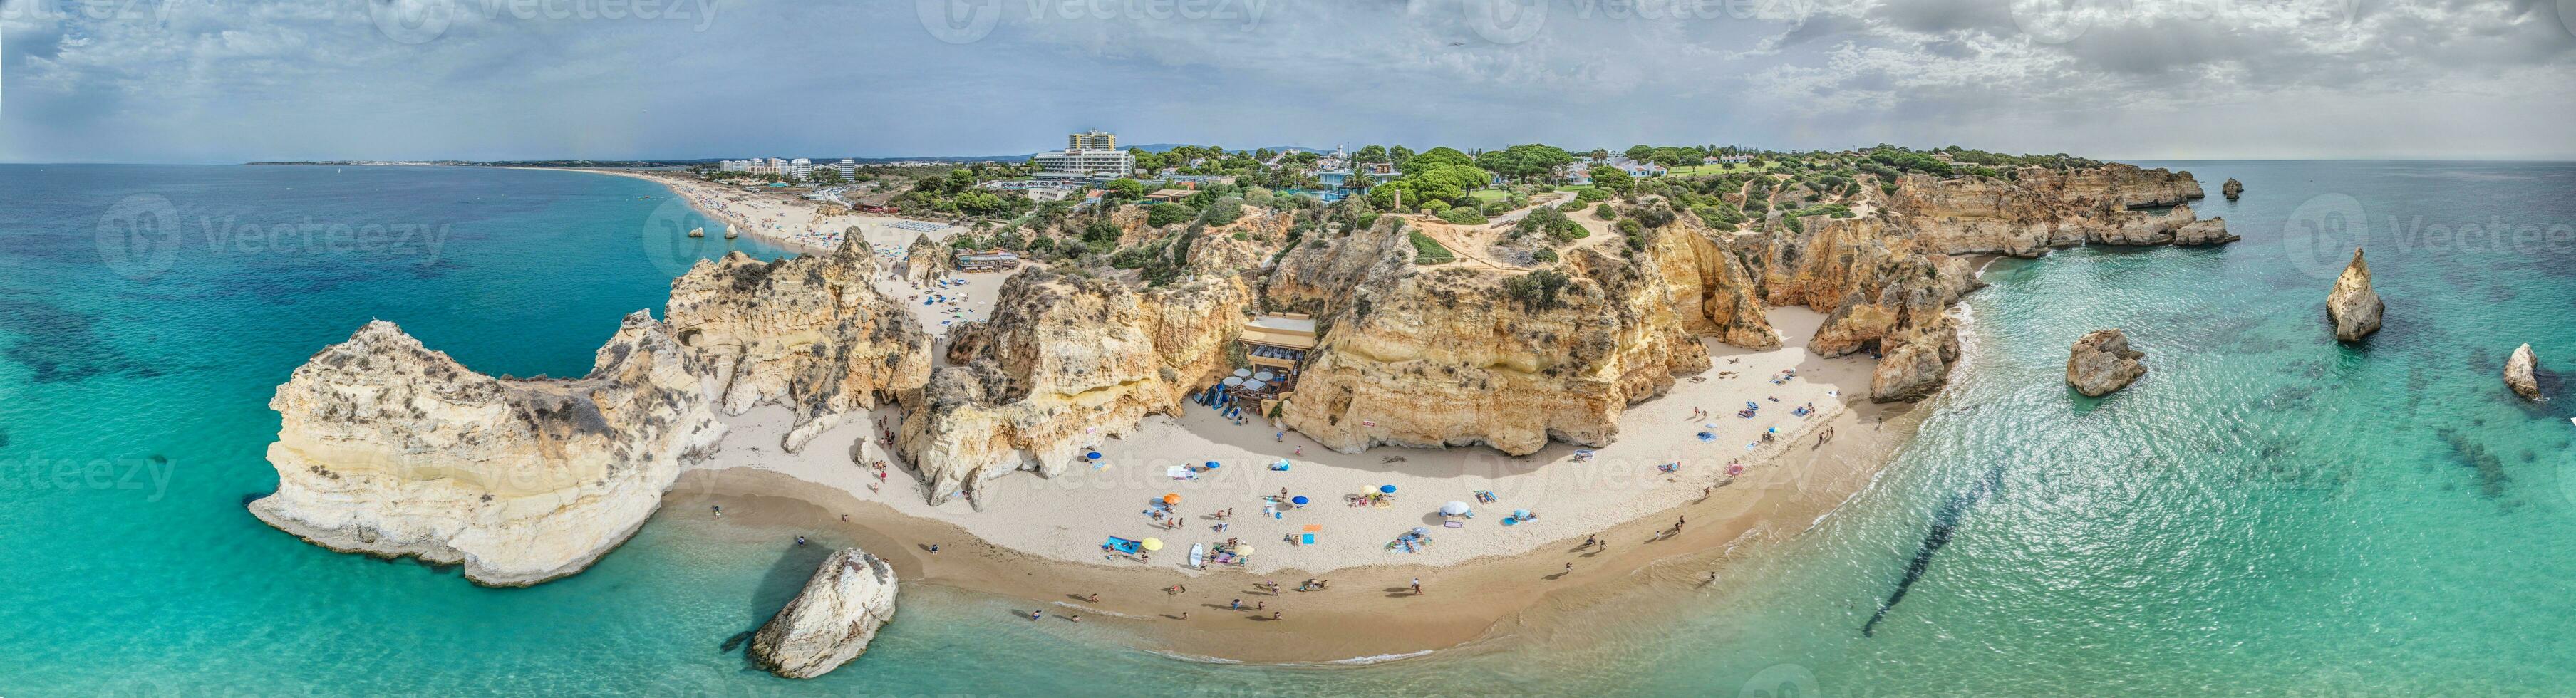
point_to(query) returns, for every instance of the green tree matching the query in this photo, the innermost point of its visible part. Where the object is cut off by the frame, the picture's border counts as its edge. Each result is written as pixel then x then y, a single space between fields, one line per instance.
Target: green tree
pixel 1640 153
pixel 1612 178
pixel 1122 189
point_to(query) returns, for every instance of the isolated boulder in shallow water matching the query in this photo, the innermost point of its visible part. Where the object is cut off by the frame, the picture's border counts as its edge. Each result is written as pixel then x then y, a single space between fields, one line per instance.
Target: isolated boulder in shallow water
pixel 2519 373
pixel 2231 188
pixel 2354 308
pixel 831 621
pixel 2102 362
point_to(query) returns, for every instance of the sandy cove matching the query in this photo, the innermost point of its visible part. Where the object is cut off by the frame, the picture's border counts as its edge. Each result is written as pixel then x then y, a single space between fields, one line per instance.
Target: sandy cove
pixel 774 217
pixel 1039 541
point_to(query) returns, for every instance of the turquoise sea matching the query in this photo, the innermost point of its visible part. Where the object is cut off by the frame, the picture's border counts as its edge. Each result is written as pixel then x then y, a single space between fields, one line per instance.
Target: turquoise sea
pixel 2265 512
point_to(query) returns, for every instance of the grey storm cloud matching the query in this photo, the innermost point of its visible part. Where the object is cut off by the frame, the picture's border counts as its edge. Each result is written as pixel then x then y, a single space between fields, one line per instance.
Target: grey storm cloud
pixel 227 80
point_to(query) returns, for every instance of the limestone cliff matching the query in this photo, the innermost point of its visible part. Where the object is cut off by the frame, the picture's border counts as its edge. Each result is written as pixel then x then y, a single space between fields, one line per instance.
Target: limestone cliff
pixel 1065 362
pixel 810 333
pixel 2352 306
pixel 831 621
pixel 2521 373
pixel 2042 209
pixel 389 448
pixel 926 259
pixel 1879 295
pixel 2101 362
pixel 1467 354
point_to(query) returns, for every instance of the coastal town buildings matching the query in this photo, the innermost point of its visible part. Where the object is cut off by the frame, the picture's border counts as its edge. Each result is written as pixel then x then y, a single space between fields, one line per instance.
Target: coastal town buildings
pixel 1084 163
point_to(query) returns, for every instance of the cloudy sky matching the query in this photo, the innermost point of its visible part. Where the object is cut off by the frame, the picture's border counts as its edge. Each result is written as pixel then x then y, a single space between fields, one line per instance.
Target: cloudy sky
pixel 228 81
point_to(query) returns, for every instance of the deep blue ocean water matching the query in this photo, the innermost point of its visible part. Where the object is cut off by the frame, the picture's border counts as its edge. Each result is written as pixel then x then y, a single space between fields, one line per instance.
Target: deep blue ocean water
pixel 2267 511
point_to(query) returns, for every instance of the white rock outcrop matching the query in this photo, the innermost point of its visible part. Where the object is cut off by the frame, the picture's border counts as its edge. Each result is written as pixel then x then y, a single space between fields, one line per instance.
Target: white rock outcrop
pixel 2520 373
pixel 2101 362
pixel 2352 306
pixel 389 448
pixel 831 621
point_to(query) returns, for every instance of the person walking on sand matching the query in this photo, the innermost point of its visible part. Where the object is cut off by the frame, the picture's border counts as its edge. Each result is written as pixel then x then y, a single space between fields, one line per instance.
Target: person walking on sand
pixel 1569 568
pixel 1236 606
pixel 1589 541
pixel 1274 615
pixel 1034 615
pixel 1094 597
pixel 1185 615
pixel 1301 450
pixel 1417 586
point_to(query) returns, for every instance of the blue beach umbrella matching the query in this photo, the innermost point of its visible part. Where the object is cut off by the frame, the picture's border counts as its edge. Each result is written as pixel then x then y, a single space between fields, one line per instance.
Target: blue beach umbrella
pixel 1299 500
pixel 1389 489
pixel 1212 465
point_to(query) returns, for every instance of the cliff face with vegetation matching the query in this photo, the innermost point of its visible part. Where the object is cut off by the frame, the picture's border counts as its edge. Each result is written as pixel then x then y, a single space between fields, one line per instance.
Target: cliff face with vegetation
pixel 1464 354
pixel 808 333
pixel 392 449
pixel 1066 362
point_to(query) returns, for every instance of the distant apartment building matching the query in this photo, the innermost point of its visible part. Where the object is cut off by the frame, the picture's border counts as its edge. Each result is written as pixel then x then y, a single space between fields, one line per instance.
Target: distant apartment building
pixel 849 168
pixel 1091 140
pixel 800 168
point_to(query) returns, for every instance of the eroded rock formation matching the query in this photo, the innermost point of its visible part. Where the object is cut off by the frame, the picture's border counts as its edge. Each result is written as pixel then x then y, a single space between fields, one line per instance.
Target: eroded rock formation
pixel 1463 354
pixel 1065 362
pixel 926 259
pixel 2101 362
pixel 392 449
pixel 2231 189
pixel 2352 306
pixel 808 333
pixel 831 621
pixel 2521 373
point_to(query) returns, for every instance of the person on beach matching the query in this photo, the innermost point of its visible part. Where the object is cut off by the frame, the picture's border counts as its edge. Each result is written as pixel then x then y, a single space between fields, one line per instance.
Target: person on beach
pixel 1094 597
pixel 1280 437
pixel 1417 586
pixel 934 548
pixel 800 540
pixel 1274 615
pixel 1185 615
pixel 1589 541
pixel 1076 617
pixel 719 509
pixel 1259 605
pixel 1236 606
pixel 1301 450
pixel 1569 568
pixel 1034 615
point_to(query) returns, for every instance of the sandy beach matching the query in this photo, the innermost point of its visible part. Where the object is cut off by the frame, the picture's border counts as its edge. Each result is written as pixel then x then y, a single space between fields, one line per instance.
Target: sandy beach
pixel 1040 538
pixel 1687 482
pixel 796 224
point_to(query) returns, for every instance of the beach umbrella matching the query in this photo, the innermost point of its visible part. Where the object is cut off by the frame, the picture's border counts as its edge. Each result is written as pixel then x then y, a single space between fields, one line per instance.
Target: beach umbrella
pixel 1171 499
pixel 1153 544
pixel 1243 550
pixel 1419 531
pixel 1299 500
pixel 1708 426
pixel 1705 436
pixel 1388 489
pixel 1520 513
pixel 1212 465
pixel 1454 508
pixel 1094 455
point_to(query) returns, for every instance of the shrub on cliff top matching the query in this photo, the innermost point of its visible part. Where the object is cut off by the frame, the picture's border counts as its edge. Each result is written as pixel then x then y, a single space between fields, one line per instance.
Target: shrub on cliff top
pixel 1428 251
pixel 1536 290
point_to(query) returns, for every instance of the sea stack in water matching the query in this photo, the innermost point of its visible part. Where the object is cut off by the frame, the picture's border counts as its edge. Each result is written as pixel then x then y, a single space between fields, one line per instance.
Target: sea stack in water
pixel 2353 307
pixel 391 449
pixel 831 621
pixel 2519 373
pixel 2102 362
pixel 2231 188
